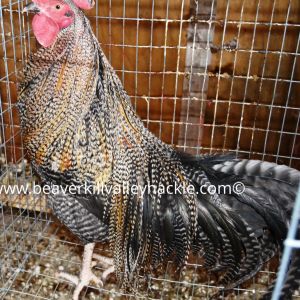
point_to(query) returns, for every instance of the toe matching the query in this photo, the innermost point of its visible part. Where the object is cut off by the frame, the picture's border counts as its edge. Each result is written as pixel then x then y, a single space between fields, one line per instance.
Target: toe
pixel 103 259
pixel 78 290
pixel 68 277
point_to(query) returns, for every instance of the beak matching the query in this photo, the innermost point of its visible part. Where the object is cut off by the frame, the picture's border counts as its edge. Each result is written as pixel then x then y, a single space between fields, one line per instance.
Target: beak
pixel 31 7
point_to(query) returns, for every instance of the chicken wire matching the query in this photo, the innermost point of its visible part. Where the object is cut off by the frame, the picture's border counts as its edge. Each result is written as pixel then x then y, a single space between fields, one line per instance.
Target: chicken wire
pixel 203 75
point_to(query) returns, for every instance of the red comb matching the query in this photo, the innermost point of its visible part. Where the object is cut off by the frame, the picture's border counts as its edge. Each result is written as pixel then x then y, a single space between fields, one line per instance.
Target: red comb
pixel 84 4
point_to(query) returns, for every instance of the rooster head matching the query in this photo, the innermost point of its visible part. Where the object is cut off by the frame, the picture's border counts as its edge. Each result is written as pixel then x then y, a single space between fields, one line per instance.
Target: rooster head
pixel 52 16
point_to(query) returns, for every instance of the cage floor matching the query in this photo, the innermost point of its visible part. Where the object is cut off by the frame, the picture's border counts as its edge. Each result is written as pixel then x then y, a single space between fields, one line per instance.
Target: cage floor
pixel 34 247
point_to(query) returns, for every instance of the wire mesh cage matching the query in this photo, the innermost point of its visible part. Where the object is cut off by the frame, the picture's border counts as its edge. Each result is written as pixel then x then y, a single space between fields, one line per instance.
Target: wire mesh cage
pixel 203 75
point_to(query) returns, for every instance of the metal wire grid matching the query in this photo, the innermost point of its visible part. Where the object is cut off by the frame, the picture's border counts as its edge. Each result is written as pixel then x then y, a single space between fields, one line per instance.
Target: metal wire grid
pixel 290 78
pixel 26 267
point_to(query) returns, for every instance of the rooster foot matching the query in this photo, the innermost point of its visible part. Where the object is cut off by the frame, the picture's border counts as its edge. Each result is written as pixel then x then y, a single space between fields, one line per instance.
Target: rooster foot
pixel 86 274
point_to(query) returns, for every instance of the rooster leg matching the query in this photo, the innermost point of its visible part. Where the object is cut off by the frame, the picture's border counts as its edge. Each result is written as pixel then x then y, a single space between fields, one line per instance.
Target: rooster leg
pixel 86 274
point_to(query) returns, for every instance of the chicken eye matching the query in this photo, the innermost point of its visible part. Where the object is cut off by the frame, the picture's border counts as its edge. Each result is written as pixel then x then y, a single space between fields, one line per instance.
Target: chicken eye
pixel 57 6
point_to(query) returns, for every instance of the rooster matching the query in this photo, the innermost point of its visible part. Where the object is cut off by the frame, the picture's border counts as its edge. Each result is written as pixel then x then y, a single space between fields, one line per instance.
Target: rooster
pixel 80 130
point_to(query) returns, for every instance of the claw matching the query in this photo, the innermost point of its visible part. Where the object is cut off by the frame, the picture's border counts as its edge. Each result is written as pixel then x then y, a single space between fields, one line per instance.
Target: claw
pixel 107 272
pixel 97 281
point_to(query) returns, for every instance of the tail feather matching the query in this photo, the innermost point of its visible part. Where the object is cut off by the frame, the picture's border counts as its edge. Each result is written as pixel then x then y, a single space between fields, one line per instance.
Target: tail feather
pixel 252 260
pixel 267 209
pixel 259 169
pixel 253 225
pixel 208 225
pixel 231 246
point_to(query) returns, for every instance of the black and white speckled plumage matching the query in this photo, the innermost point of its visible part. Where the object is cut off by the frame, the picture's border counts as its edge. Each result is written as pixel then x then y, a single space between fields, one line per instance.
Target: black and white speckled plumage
pixel 85 225
pixel 79 128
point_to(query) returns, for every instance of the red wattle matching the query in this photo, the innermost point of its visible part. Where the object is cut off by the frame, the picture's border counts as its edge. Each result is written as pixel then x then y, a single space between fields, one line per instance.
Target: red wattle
pixel 44 29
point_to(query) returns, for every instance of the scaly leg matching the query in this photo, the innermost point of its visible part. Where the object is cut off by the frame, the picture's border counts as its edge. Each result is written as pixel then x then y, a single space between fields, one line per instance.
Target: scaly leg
pixel 86 274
